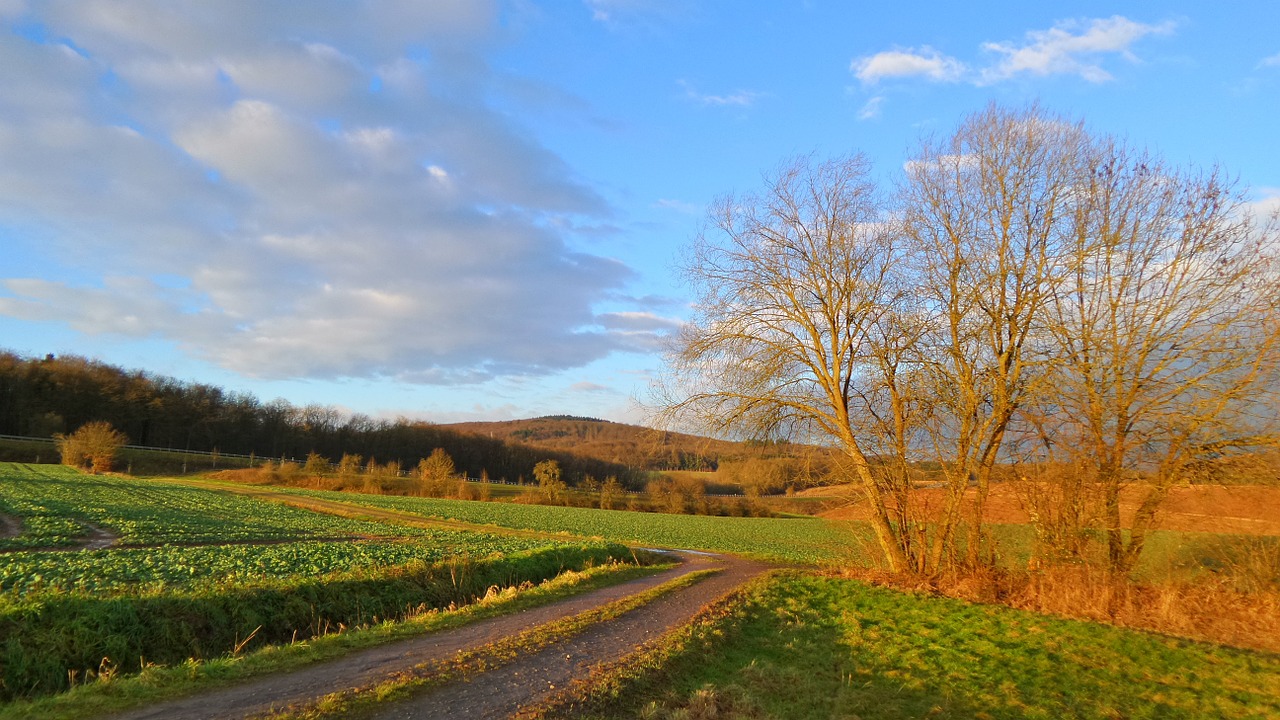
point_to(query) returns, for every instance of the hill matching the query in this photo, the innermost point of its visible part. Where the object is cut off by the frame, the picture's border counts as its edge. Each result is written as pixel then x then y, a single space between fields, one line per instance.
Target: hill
pixel 631 445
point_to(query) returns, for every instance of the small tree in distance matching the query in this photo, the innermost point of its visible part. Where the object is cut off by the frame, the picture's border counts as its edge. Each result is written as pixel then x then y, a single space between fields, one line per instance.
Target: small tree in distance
pixel 436 473
pixel 94 446
pixel 549 480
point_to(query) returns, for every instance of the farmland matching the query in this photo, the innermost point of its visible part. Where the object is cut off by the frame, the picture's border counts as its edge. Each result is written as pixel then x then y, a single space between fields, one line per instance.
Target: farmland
pixel 209 570
pixel 55 504
pixel 806 540
pixel 198 573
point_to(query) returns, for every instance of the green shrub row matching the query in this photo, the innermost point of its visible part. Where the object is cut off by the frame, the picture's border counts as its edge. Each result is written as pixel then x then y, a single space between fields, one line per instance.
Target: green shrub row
pixel 46 645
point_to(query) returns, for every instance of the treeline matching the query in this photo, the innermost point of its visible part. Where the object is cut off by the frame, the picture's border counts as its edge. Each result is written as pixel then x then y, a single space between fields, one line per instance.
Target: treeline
pixel 40 397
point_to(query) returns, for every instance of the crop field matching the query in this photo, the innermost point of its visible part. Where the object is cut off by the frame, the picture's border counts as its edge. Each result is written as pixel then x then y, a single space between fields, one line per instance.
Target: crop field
pixel 801 646
pixel 55 503
pixel 210 569
pixel 26 575
pixel 788 539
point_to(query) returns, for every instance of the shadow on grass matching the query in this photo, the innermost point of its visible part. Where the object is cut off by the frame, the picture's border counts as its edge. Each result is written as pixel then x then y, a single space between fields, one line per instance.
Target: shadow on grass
pixel 803 647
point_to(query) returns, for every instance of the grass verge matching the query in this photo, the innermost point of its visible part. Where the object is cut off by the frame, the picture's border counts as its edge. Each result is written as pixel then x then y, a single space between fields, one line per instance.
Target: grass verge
pixel 802 646
pixel 361 702
pixel 158 683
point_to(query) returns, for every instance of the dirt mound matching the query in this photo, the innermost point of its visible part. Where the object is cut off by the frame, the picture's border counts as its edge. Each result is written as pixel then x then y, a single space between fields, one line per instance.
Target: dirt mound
pixel 1235 509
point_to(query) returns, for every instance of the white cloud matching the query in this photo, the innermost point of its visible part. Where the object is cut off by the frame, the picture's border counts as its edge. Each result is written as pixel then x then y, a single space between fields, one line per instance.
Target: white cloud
pixel 324 228
pixel 1268 203
pixel 617 13
pixel 1070 48
pixel 739 98
pixel 871 108
pixel 1270 61
pixel 680 206
pixel 924 62
pixel 637 321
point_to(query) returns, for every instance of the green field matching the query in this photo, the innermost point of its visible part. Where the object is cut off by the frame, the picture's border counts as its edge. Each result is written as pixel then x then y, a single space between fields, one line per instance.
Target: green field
pixel 801 539
pixel 217 568
pixel 210 568
pixel 26 575
pixel 55 503
pixel 805 540
pixel 800 646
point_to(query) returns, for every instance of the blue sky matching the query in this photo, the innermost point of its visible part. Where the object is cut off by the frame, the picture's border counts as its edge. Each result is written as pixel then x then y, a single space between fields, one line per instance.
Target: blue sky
pixel 467 210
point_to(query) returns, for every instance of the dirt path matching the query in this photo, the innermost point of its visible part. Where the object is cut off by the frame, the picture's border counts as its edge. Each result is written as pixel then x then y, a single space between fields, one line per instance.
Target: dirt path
pixel 531 679
pixel 532 674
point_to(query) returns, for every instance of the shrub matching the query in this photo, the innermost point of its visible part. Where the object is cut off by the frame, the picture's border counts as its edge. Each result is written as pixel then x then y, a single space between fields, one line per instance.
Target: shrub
pixel 93 446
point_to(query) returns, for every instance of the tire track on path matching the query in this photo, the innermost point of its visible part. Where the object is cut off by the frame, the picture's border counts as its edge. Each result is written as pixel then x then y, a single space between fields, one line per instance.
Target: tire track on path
pixel 532 679
pixel 366 667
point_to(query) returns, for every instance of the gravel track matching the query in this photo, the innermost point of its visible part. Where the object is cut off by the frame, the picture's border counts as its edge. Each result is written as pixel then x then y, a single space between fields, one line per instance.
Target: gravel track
pixel 529 680
pixel 498 692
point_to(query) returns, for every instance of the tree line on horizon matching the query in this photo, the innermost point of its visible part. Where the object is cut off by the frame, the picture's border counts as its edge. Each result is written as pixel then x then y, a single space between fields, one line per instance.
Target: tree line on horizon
pixel 52 395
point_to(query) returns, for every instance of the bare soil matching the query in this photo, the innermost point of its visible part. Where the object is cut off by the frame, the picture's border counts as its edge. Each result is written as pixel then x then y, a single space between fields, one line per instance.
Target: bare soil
pixel 10 526
pixel 95 538
pixel 497 693
pixel 1234 509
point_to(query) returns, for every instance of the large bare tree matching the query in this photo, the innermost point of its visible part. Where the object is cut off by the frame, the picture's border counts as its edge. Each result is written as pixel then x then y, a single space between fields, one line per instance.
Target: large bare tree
pixel 985 213
pixel 1030 280
pixel 1165 334
pixel 796 293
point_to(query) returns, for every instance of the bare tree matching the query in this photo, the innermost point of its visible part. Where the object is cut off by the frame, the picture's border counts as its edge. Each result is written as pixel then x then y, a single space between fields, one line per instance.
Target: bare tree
pixel 1165 333
pixel 985 211
pixel 1033 282
pixel 795 286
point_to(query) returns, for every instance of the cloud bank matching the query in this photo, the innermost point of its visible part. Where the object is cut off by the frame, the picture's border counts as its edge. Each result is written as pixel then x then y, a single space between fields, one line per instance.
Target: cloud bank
pixel 312 190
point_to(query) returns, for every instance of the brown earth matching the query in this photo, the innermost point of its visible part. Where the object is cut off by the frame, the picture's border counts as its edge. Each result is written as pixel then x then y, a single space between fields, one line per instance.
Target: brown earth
pixel 496 693
pixel 10 526
pixel 1234 509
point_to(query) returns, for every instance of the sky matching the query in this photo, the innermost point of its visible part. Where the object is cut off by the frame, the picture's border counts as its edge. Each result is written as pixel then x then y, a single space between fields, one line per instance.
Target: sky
pixel 468 210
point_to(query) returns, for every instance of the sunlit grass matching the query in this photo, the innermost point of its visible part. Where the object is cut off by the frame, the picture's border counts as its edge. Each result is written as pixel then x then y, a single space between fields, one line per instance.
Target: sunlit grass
pixel 800 646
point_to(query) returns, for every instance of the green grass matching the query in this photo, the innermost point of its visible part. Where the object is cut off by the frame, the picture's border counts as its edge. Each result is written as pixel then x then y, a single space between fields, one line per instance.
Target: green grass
pixel 54 636
pixel 158 683
pixel 806 540
pixel 797 540
pixel 55 502
pixel 799 646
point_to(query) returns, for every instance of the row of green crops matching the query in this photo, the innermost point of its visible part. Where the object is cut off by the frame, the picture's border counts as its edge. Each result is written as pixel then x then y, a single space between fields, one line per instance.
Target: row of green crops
pixel 810 540
pixel 26 575
pixel 46 643
pixel 54 504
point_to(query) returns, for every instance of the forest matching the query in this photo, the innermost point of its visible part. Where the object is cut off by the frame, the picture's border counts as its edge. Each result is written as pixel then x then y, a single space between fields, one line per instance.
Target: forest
pixel 41 396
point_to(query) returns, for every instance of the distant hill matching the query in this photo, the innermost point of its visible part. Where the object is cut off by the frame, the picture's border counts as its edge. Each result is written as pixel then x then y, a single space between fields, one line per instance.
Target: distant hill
pixel 637 447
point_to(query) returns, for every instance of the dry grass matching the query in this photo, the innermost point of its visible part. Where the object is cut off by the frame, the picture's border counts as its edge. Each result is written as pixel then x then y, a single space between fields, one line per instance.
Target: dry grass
pixel 1240 609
